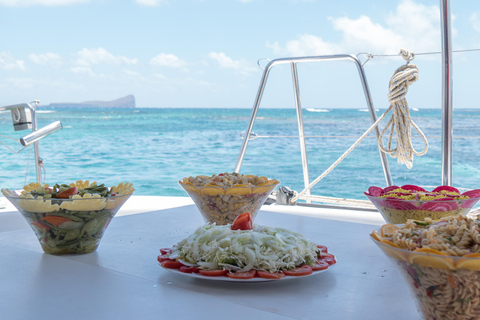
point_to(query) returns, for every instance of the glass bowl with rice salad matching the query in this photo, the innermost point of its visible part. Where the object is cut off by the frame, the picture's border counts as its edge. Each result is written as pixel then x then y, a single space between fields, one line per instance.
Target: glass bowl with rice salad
pixel 398 204
pixel 69 218
pixel 439 261
pixel 223 197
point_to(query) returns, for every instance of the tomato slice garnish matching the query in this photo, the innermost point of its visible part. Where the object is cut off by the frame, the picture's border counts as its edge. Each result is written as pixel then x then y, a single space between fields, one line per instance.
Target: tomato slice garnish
pixel 303 270
pixel 320 264
pixel 322 248
pixel 172 264
pixel 187 269
pixel 242 275
pixel 243 222
pixel 270 275
pixel 65 194
pixel 212 273
pixel 164 257
pixel 328 258
pixel 165 250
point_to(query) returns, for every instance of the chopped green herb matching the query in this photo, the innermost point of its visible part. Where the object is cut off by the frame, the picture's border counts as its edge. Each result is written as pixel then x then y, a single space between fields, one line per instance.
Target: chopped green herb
pixel 421 223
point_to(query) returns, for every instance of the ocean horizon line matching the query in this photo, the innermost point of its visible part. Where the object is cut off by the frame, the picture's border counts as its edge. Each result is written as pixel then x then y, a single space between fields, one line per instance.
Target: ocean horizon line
pixel 310 109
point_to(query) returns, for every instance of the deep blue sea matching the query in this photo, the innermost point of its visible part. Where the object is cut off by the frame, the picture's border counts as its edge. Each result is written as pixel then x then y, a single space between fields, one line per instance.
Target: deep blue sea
pixel 154 148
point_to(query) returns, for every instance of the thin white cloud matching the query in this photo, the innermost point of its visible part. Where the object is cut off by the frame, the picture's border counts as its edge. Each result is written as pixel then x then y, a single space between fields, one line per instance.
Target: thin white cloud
pixel 46 59
pixel 132 73
pixel 364 35
pixel 49 3
pixel 82 71
pixel 160 76
pixel 305 45
pixel 8 62
pixel 151 3
pixel 89 57
pixel 22 83
pixel 412 26
pixel 167 60
pixel 225 62
pixel 475 21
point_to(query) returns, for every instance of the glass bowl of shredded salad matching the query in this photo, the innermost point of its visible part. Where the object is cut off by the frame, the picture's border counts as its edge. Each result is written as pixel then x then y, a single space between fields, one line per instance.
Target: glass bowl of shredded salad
pixel 69 218
pixel 440 262
pixel 398 204
pixel 223 197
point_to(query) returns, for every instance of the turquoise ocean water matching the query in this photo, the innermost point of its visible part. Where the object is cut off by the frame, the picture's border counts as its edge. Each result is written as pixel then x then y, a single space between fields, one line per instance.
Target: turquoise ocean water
pixel 154 148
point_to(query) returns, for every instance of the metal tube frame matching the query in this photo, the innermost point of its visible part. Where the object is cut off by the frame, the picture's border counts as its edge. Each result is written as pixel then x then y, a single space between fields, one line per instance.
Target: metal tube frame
pixel 301 131
pixel 447 93
pixel 38 160
pixel 294 62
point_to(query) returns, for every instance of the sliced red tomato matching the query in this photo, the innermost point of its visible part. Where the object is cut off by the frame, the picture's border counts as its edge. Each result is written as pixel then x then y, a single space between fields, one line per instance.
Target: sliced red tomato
pixel 164 257
pixel 41 225
pixel 165 250
pixel 212 273
pixel 299 271
pixel 270 275
pixel 242 275
pixel 328 258
pixel 187 269
pixel 322 248
pixel 320 264
pixel 65 194
pixel 55 220
pixel 243 222
pixel 172 264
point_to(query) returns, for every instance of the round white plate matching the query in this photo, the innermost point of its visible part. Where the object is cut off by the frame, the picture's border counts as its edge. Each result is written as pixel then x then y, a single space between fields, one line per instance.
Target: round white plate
pixel 225 278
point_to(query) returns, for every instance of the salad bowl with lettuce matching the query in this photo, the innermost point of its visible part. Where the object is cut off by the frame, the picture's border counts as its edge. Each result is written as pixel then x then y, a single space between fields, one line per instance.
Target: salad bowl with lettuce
pixel 69 218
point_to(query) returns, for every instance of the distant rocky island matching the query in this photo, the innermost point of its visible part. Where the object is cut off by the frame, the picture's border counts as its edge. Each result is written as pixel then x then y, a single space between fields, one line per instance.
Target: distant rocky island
pixel 125 102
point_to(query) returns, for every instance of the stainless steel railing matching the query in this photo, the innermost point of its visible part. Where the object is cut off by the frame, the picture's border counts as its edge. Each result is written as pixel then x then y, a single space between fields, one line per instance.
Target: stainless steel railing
pixel 293 62
pixel 28 120
pixel 447 93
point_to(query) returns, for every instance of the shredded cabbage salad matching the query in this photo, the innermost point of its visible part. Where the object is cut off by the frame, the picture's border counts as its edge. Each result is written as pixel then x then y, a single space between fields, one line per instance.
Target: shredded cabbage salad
pixel 263 248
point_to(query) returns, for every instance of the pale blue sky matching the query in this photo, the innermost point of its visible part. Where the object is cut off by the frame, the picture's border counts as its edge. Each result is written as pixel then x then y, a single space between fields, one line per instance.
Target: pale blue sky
pixel 203 53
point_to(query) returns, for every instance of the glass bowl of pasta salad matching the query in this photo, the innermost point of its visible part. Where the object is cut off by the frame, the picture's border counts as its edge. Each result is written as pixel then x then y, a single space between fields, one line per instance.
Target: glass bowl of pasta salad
pixel 223 197
pixel 440 262
pixel 398 204
pixel 69 218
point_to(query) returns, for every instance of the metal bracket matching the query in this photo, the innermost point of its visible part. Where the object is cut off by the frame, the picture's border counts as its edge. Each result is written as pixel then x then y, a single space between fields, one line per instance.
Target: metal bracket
pixel 284 195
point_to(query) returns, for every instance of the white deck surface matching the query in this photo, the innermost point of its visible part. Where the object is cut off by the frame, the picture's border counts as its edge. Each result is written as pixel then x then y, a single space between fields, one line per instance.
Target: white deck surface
pixel 122 279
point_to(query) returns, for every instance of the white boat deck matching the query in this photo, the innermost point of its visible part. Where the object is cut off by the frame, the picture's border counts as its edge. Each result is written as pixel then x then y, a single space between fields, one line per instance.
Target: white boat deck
pixel 122 279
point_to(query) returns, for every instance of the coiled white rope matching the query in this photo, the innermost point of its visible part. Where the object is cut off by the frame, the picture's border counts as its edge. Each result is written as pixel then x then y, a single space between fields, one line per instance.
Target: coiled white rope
pixel 400 121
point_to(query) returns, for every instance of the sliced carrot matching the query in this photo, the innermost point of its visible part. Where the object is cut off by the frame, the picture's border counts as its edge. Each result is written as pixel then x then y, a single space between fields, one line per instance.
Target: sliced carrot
pixel 451 280
pixel 55 220
pixel 41 225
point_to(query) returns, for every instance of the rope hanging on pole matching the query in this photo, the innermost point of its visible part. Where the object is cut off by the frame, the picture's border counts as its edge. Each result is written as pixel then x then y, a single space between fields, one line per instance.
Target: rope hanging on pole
pixel 400 121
